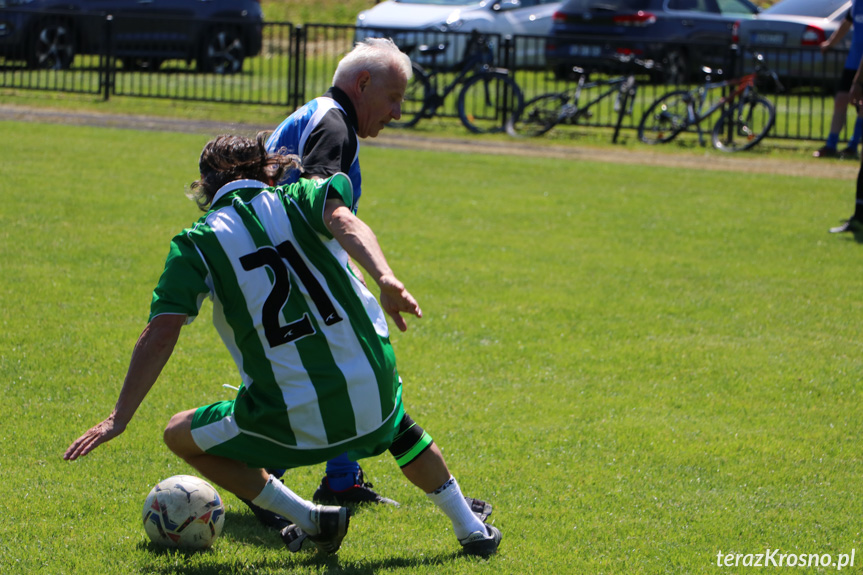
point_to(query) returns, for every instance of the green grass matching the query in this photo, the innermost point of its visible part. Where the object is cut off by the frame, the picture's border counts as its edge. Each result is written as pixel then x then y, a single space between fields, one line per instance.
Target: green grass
pixel 639 366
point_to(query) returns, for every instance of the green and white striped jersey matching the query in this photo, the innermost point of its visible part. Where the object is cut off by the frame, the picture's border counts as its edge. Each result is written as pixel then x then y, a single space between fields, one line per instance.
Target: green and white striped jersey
pixel 310 341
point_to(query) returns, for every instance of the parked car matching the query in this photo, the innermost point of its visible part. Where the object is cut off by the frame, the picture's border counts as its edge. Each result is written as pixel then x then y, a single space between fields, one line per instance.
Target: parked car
pixel 411 23
pixel 217 34
pixel 789 34
pixel 679 35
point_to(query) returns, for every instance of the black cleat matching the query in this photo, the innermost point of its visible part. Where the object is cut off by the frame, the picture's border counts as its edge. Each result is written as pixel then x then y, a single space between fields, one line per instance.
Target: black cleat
pixel 361 492
pixel 332 525
pixel 849 153
pixel 825 152
pixel 852 225
pixel 479 507
pixel 482 544
pixel 268 518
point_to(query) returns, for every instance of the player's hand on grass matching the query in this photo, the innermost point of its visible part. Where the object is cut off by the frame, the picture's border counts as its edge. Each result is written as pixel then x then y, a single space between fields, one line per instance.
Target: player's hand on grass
pixel 395 300
pixel 95 436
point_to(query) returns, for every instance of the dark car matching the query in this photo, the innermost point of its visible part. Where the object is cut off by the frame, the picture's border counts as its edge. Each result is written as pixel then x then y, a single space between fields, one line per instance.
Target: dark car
pixel 790 33
pixel 217 34
pixel 679 35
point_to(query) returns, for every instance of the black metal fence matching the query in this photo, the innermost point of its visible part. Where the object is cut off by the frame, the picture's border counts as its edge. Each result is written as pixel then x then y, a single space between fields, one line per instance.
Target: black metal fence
pixel 296 63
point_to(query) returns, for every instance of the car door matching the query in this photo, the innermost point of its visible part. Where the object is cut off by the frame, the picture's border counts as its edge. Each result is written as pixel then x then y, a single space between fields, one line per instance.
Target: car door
pixel 526 18
pixel 151 28
pixel 697 21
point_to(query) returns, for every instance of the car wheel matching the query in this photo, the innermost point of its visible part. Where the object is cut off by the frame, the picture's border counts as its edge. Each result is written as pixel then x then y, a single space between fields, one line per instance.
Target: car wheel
pixel 222 52
pixel 675 67
pixel 52 46
pixel 142 64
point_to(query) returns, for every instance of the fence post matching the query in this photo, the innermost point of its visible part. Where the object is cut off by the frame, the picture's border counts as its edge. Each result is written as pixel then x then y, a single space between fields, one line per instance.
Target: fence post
pixel 297 94
pixel 733 61
pixel 508 47
pixel 507 62
pixel 106 61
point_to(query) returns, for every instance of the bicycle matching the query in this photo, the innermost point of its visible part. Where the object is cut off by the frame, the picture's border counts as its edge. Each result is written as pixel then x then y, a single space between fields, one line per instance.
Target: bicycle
pixel 542 113
pixel 487 96
pixel 739 127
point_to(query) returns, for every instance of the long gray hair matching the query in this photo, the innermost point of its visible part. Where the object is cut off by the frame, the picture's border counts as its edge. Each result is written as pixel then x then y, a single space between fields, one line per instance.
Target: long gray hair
pixel 227 158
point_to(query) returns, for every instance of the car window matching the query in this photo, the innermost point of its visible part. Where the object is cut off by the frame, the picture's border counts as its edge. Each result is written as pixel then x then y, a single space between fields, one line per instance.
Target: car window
pixel 441 2
pixel 734 7
pixel 607 5
pixel 695 5
pixel 820 9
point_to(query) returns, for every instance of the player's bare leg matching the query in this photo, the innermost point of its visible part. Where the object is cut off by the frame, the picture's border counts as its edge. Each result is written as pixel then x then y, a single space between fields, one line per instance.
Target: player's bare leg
pixel 325 526
pixel 429 472
pixel 235 476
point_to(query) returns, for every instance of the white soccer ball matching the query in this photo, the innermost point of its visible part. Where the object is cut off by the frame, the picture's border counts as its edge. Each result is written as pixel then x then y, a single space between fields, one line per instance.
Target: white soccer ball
pixel 183 511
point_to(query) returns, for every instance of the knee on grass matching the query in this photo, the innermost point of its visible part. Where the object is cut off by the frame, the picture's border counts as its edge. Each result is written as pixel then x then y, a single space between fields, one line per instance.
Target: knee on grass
pixel 178 435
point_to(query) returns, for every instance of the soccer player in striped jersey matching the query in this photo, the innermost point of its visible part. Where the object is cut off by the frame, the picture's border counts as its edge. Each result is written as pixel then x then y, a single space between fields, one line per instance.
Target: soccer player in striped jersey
pixel 311 343
pixel 368 88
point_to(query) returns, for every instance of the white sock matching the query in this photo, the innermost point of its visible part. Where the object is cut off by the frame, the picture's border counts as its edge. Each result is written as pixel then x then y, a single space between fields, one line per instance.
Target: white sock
pixel 279 499
pixel 451 501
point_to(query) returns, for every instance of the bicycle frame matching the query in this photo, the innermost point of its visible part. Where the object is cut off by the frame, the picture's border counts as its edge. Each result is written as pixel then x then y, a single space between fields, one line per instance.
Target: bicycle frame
pixel 743 111
pixel 741 86
pixel 571 109
pixel 486 95
pixel 477 59
pixel 541 113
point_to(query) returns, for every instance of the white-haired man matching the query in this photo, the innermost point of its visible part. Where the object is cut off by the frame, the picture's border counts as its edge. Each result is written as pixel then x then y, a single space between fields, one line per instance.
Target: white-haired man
pixel 367 92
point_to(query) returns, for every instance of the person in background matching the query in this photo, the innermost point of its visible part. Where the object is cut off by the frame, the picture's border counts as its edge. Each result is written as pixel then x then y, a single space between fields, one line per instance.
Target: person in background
pixel 854 224
pixel 842 98
pixel 367 91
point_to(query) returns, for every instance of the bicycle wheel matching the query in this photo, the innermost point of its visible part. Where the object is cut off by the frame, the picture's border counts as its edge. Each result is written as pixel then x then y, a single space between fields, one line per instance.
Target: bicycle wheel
pixel 417 96
pixel 487 100
pixel 666 118
pixel 538 116
pixel 749 120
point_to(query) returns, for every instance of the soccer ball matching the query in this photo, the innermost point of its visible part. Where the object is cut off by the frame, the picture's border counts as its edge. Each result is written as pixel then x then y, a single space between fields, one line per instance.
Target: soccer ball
pixel 183 511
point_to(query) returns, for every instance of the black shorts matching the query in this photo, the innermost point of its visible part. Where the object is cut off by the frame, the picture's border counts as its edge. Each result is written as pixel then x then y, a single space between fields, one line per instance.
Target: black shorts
pixel 847 79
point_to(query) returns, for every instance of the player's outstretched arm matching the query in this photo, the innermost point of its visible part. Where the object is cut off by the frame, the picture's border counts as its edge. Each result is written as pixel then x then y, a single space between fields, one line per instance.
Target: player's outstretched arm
pixel 150 355
pixel 395 299
pixel 360 242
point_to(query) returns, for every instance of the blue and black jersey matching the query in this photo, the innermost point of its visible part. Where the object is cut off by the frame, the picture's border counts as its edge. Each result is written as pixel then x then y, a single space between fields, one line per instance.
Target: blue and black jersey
pixel 323 133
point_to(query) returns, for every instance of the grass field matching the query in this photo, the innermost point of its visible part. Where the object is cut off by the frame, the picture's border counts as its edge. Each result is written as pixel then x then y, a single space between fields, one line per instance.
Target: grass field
pixel 641 367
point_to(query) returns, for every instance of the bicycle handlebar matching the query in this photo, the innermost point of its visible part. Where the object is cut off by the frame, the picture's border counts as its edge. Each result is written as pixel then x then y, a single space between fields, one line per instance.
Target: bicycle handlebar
pixel 477 44
pixel 763 70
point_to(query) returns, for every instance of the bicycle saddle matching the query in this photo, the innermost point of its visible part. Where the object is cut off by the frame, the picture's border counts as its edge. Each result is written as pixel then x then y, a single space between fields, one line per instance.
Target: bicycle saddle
pixel 426 49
